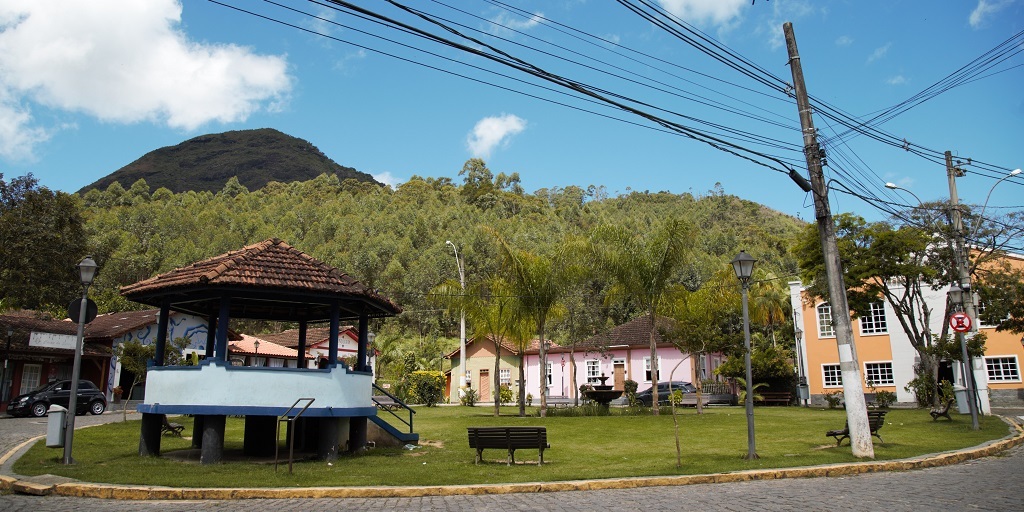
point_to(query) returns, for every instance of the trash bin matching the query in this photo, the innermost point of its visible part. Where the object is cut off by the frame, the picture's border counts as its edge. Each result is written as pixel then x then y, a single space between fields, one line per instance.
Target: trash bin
pixel 962 405
pixel 55 426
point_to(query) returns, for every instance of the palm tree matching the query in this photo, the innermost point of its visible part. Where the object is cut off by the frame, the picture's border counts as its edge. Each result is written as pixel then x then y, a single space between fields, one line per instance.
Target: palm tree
pixel 539 282
pixel 769 303
pixel 643 266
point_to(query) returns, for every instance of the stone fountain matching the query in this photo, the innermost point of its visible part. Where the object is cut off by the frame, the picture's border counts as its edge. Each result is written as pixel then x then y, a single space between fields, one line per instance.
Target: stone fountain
pixel 602 393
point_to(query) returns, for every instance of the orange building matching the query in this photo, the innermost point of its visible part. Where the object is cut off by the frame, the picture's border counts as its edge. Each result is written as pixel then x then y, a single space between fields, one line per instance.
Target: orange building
pixel 886 358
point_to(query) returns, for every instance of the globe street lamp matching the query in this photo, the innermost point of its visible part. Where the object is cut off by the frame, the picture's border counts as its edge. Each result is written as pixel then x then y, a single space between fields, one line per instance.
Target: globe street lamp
pixel 956 297
pixel 86 271
pixel 464 378
pixel 743 264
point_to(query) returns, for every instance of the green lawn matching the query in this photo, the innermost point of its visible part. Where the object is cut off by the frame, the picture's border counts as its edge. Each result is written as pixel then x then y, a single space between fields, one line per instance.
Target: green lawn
pixel 582 448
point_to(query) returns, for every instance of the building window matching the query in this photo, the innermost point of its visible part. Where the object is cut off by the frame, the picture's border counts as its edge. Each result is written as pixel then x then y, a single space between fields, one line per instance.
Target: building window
pixel 593 371
pixel 505 376
pixel 874 321
pixel 549 372
pixel 879 374
pixel 1002 369
pixel 30 374
pixel 833 376
pixel 825 328
pixel 647 369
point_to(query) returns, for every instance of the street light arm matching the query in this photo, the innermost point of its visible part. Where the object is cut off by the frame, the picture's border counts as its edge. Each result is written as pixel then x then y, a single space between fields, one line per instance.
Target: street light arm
pixel 981 216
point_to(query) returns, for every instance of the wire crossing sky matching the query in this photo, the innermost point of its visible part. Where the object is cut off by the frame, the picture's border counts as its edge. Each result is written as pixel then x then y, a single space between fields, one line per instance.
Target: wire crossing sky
pixel 686 96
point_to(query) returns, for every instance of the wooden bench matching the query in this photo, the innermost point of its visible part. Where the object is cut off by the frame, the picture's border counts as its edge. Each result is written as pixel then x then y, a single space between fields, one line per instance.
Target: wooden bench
pixel 942 411
pixel 876 420
pixel 174 429
pixel 775 397
pixel 508 438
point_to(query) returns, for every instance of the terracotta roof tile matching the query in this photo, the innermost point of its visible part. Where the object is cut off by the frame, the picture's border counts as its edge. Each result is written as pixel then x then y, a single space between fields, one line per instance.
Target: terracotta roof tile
pixel 247 345
pixel 314 335
pixel 271 264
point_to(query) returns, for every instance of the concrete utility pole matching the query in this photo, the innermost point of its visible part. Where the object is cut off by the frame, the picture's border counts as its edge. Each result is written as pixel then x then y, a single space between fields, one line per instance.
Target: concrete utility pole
pixel 962 265
pixel 853 390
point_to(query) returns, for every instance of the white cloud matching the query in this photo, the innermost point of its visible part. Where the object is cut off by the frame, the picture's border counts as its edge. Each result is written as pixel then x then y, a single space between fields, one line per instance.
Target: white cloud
pixel 879 53
pixel 897 80
pixel 388 179
pixel 704 12
pixel 505 21
pixel 844 41
pixel 986 9
pixel 491 132
pixel 781 12
pixel 125 62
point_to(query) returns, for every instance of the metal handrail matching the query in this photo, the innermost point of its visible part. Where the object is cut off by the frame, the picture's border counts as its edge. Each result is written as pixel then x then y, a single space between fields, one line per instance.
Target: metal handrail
pixel 398 403
pixel 291 431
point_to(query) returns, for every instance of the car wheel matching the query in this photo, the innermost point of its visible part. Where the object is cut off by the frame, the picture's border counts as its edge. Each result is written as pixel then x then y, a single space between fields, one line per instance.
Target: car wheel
pixel 39 409
pixel 97 408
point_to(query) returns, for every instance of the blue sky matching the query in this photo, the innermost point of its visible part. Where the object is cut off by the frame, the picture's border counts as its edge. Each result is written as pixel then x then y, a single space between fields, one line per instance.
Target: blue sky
pixel 88 87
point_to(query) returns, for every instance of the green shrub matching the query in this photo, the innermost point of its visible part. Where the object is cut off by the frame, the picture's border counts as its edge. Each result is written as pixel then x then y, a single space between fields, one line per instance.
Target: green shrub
pixel 883 399
pixel 833 398
pixel 468 397
pixel 426 387
pixel 630 392
pixel 505 394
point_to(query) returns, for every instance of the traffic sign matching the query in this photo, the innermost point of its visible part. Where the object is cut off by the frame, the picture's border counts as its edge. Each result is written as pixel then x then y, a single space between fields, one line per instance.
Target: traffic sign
pixel 960 322
pixel 75 308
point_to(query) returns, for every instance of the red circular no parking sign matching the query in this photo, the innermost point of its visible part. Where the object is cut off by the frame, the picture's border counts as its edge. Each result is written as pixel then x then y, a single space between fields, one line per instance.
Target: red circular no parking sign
pixel 960 322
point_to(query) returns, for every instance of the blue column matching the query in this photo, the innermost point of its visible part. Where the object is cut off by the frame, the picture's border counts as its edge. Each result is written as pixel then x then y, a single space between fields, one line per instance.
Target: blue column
pixel 364 340
pixel 302 344
pixel 161 333
pixel 211 332
pixel 332 358
pixel 223 320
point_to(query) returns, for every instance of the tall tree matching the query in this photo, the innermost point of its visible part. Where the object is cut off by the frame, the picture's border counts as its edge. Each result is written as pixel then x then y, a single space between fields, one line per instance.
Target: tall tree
pixel 42 238
pixel 643 266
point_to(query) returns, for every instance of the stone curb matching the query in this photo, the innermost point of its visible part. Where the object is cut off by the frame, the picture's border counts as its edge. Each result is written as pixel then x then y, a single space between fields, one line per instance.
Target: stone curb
pixel 126 492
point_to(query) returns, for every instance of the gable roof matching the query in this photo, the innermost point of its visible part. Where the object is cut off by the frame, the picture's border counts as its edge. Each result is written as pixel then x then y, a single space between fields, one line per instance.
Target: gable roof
pixel 269 280
pixel 506 346
pixel 634 333
pixel 315 335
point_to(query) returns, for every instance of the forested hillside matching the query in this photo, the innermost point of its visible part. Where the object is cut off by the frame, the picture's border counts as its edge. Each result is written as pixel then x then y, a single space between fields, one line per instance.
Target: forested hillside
pixel 207 162
pixel 394 240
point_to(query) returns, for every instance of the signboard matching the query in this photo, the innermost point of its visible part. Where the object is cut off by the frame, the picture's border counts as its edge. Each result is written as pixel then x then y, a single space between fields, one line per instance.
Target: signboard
pixel 51 340
pixel 960 322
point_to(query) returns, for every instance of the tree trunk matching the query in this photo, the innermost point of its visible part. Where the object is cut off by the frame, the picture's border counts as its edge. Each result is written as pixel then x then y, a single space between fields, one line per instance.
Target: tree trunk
pixel 522 386
pixel 572 376
pixel 543 384
pixel 699 363
pixel 654 366
pixel 497 379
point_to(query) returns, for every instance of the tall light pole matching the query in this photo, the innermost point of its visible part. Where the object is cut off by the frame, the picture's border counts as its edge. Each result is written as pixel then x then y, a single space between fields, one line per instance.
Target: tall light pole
pixel 464 377
pixel 256 351
pixel 86 271
pixel 743 264
pixel 981 216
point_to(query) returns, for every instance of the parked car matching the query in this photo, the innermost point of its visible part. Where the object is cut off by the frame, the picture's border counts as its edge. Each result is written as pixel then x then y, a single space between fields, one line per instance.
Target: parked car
pixel 37 403
pixel 646 396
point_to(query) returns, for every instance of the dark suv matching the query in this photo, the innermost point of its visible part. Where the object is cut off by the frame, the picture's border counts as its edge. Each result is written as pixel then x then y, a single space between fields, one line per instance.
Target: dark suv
pixel 646 396
pixel 90 399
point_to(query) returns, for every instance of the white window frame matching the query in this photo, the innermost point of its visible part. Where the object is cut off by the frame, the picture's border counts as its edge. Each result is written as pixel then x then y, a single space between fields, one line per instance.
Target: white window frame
pixel 27 386
pixel 505 377
pixel 831 376
pixel 1008 368
pixel 548 371
pixel 647 368
pixel 880 369
pixel 875 321
pixel 593 371
pixel 827 328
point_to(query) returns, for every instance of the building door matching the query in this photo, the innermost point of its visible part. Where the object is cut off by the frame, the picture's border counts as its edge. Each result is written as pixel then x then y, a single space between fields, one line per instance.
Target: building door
pixel 619 372
pixel 484 385
pixel 30 374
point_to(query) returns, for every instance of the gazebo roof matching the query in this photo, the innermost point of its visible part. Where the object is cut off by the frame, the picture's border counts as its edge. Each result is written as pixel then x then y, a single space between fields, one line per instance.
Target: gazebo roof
pixel 267 280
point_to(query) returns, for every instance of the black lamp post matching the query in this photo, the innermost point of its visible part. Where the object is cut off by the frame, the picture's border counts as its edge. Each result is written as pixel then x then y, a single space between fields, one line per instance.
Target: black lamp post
pixel 743 264
pixel 87 271
pixel 256 351
pixel 956 297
